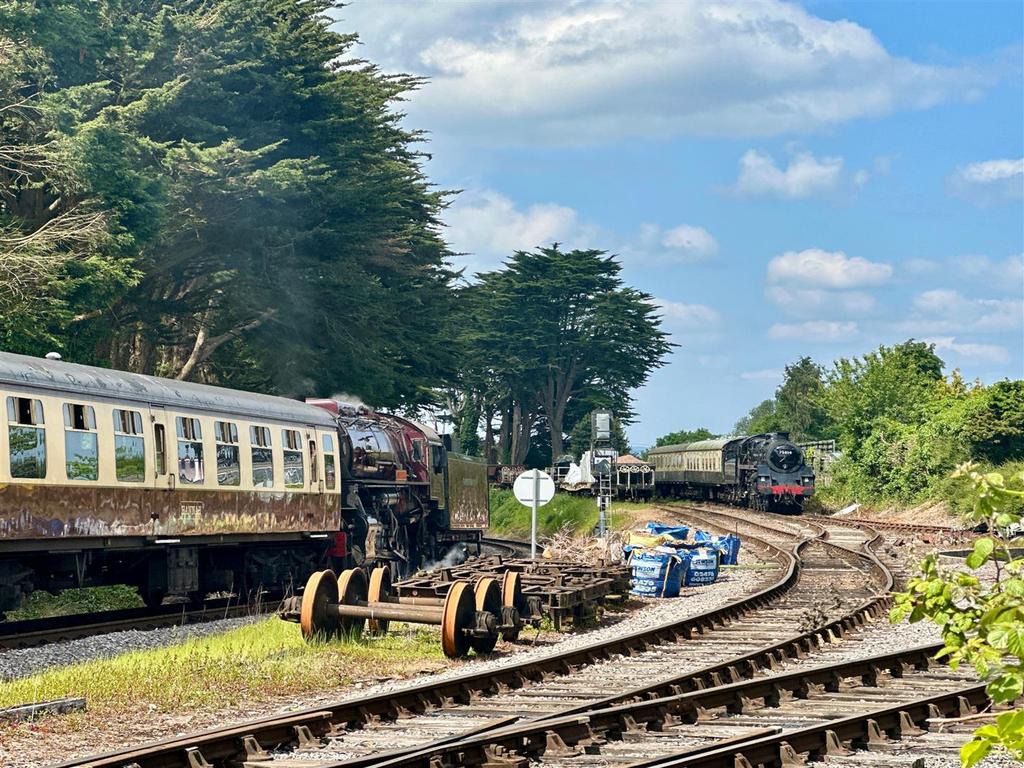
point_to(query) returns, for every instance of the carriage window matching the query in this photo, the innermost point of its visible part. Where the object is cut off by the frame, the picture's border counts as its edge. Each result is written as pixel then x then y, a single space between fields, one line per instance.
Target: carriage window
pixel 262 457
pixel 191 463
pixel 81 447
pixel 160 436
pixel 314 465
pixel 129 447
pixel 330 476
pixel 228 469
pixel 417 450
pixel 27 437
pixel 294 475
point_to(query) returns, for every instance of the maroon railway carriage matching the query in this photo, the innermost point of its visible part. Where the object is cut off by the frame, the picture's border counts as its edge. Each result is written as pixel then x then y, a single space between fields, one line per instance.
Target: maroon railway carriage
pixel 180 488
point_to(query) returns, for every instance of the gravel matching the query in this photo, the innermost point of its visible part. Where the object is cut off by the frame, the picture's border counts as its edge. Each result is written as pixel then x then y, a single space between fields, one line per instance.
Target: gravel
pixel 22 662
pixel 731 585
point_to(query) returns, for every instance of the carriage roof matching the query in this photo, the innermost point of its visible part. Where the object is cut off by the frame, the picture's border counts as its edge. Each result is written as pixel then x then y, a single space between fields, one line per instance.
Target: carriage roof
pixel 701 445
pixel 85 380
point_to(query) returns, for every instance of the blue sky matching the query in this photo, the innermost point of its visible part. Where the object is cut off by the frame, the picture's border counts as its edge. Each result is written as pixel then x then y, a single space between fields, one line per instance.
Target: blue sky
pixel 787 179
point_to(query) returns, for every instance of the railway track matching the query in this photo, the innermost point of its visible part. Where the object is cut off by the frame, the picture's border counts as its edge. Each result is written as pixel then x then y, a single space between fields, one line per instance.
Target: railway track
pixel 58 629
pixel 792 613
pixel 506 547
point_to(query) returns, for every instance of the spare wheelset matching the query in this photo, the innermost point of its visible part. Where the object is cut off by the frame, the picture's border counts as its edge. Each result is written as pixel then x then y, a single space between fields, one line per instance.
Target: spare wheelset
pixel 470 617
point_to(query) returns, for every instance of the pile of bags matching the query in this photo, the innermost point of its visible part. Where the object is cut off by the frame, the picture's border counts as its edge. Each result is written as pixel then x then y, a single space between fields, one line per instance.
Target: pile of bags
pixel 662 560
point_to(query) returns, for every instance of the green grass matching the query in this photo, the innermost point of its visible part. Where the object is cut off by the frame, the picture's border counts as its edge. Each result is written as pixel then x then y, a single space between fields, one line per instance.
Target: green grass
pixel 577 513
pixel 250 663
pixel 42 605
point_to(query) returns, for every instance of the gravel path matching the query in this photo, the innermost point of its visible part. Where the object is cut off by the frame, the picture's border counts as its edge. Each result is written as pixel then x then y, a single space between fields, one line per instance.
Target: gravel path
pixel 22 662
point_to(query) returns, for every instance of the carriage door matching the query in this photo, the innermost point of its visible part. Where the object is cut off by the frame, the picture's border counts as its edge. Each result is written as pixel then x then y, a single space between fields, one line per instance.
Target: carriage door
pixel 162 469
pixel 315 481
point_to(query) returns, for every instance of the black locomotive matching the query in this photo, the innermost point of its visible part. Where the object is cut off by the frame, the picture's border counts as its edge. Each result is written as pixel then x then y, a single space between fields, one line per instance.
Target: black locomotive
pixel 764 472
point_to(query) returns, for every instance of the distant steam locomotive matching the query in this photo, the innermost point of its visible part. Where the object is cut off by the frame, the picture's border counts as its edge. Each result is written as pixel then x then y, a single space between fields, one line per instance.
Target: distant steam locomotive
pixel 764 472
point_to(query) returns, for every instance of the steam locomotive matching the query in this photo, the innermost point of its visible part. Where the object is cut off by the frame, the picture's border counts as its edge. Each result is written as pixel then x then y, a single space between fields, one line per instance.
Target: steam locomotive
pixel 179 488
pixel 764 472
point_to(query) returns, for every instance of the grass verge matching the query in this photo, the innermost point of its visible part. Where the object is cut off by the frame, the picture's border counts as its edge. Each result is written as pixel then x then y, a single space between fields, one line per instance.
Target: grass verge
pixel 577 513
pixel 268 658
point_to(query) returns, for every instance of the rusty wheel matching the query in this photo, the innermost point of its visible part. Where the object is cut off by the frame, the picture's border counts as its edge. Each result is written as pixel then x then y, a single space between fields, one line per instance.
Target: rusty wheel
pixel 487 596
pixel 352 589
pixel 512 598
pixel 459 613
pixel 380 590
pixel 314 618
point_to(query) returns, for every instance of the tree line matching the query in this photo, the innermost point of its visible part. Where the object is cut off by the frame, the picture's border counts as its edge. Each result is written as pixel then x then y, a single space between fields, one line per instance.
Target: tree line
pixel 224 192
pixel 902 426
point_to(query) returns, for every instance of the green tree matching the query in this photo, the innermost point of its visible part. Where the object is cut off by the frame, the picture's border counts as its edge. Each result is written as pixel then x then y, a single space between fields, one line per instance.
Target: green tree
pixel 800 401
pixel 683 436
pixel 762 418
pixel 894 383
pixel 982 618
pixel 258 181
pixel 995 425
pixel 568 329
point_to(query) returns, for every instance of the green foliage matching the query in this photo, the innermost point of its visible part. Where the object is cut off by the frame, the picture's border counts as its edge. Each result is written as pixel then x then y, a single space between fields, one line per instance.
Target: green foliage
pixel 901 426
pixel 550 336
pixel 41 605
pixel 684 436
pixel 255 199
pixel 982 614
pixel 893 383
pixel 578 514
pixel 762 418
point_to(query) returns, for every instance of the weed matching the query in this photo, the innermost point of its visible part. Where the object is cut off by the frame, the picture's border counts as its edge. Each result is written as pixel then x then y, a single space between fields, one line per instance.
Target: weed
pixel 256 661
pixel 42 605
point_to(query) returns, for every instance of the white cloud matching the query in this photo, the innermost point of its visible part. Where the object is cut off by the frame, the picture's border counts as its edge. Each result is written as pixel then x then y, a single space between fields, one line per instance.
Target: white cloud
pixel 989 353
pixel 991 181
pixel 688 317
pixel 814 330
pixel 811 302
pixel 1007 274
pixel 488 227
pixel 826 269
pixel 946 310
pixel 681 244
pixel 805 176
pixel 519 73
pixel 766 374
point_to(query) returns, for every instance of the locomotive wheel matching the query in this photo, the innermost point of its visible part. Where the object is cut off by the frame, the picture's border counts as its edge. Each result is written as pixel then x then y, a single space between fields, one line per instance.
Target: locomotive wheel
pixel 512 597
pixel 352 588
pixel 314 619
pixel 459 613
pixel 487 596
pixel 380 591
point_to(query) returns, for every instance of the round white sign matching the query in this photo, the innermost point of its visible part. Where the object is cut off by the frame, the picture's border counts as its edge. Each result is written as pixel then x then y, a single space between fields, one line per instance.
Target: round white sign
pixel 534 482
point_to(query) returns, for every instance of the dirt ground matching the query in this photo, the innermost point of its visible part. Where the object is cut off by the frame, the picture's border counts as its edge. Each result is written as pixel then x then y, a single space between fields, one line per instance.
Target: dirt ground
pixel 929 513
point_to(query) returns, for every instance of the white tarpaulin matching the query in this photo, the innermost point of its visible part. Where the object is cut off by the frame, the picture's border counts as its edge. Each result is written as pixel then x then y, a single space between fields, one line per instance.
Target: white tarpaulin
pixel 579 475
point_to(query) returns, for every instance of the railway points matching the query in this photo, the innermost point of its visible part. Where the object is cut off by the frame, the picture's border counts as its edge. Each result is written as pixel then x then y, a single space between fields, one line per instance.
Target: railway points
pixel 567 688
